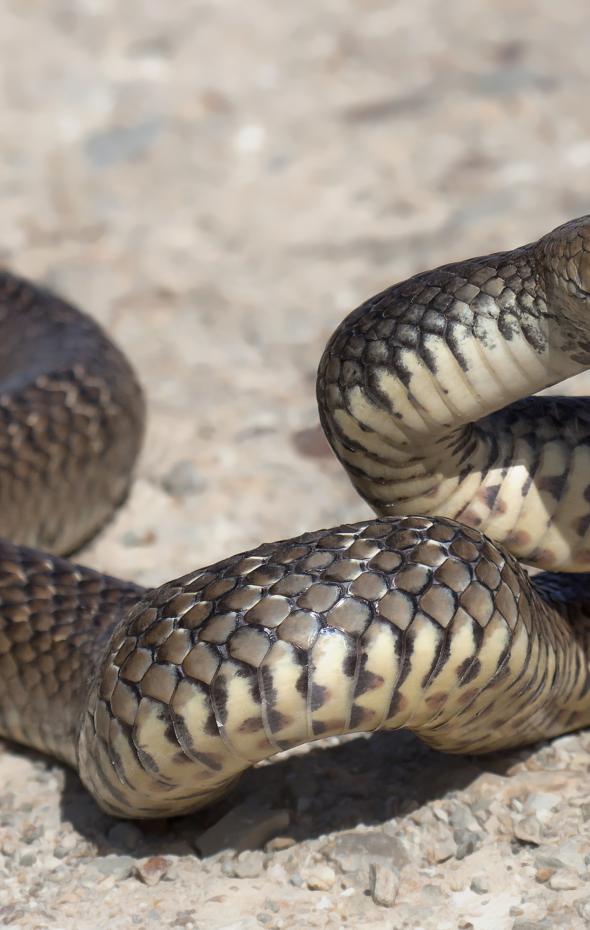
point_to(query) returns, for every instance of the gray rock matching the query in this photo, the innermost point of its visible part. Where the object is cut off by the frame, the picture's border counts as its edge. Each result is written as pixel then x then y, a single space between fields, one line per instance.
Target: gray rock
pixel 354 852
pixel 122 143
pixel 467 842
pixel 558 857
pixel 511 80
pixel 119 866
pixel 462 818
pixel 132 539
pixel 27 859
pixel 183 479
pixel 60 852
pixel 383 884
pixel 541 803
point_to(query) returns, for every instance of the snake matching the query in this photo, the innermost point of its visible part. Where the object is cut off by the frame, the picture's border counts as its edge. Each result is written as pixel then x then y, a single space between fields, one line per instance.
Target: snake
pixel 426 616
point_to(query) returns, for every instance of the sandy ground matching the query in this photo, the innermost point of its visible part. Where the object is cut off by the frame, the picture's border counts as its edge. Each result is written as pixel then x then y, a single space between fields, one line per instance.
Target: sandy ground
pixel 219 183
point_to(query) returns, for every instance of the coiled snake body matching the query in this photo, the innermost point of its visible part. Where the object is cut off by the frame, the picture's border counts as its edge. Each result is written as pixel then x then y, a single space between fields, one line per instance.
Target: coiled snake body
pixel 161 698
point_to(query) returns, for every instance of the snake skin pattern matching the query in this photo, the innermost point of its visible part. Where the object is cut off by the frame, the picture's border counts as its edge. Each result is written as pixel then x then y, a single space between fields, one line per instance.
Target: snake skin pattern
pixel 162 698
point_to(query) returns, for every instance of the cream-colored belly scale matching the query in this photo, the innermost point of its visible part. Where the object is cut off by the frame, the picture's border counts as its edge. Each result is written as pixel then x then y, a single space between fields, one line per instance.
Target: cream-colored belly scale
pixel 162 698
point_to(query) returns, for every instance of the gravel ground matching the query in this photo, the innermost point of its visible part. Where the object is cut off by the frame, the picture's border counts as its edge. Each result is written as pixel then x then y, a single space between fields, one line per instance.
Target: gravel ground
pixel 218 183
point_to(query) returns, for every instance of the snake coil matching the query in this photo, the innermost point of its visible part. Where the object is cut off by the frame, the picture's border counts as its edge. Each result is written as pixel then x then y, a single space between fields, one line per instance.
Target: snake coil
pixel 161 698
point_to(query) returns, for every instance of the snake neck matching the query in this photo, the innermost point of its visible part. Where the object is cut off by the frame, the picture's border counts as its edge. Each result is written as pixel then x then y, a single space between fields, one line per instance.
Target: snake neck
pixel 420 393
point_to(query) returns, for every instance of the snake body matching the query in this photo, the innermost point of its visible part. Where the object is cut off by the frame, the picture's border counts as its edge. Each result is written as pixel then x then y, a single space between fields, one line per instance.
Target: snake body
pixel 161 698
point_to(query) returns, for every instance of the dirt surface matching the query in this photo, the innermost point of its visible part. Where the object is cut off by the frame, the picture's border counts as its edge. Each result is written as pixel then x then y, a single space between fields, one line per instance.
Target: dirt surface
pixel 219 183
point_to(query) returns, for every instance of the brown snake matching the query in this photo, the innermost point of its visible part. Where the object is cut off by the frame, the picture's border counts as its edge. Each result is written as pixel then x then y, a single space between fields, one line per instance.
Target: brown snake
pixel 161 698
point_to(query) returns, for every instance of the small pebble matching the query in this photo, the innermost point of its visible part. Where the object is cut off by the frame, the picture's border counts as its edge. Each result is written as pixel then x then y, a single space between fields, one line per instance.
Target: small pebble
pixel 564 881
pixel 31 833
pixel 467 842
pixel 279 843
pixel 60 852
pixel 132 539
pixel 67 844
pixel 27 859
pixel 319 877
pixel 119 866
pixel 277 873
pixel 384 884
pixel 9 848
pixel 529 830
pixel 442 846
pixel 440 814
pixel 480 884
pixel 353 852
pixel 462 818
pixel 456 882
pixel 183 479
pixel 544 874
pixel 558 857
pixel 151 871
pixel 433 895
pixel 249 864
pixel 541 804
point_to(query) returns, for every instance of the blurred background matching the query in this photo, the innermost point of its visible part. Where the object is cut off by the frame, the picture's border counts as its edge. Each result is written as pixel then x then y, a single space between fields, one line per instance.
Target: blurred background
pixel 219 183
